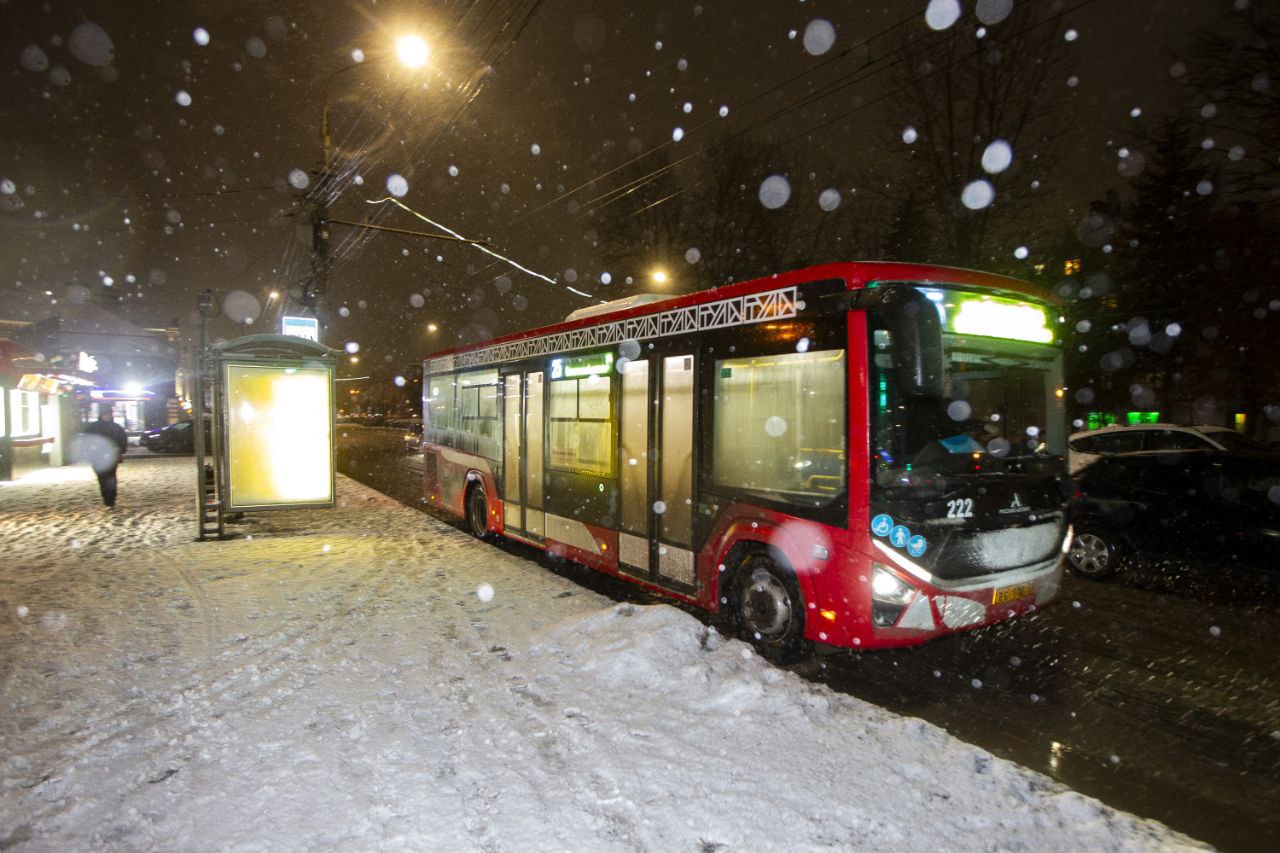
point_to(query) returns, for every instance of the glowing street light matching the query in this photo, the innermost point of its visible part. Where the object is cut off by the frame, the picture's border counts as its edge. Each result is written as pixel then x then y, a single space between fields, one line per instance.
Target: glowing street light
pixel 412 51
pixel 659 276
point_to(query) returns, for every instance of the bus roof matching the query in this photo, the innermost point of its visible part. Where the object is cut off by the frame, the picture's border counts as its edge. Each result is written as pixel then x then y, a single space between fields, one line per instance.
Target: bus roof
pixel 855 275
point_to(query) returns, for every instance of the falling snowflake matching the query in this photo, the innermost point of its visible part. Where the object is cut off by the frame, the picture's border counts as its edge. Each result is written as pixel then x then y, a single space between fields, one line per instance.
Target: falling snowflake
pixel 941 14
pixel 997 157
pixel 819 36
pixel 775 190
pixel 978 195
pixel 992 12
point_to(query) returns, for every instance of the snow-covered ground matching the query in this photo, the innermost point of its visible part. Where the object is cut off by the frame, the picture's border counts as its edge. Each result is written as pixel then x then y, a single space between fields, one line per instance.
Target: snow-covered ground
pixel 368 678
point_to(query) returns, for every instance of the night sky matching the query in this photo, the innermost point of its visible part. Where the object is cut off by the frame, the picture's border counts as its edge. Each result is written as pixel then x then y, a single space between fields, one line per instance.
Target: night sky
pixel 131 153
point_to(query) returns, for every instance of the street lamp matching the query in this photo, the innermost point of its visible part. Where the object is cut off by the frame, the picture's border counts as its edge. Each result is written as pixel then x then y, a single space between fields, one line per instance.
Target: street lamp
pixel 412 52
pixel 659 276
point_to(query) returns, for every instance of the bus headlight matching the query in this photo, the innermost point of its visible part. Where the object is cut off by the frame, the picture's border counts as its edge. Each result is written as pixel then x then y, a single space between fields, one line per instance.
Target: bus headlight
pixel 887 587
pixel 889 596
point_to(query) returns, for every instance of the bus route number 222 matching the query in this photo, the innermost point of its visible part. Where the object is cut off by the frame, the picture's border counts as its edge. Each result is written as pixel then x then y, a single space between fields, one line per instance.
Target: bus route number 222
pixel 960 508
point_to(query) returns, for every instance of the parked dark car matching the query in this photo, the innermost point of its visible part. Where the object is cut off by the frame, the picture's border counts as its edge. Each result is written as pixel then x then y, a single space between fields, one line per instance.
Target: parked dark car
pixel 1205 505
pixel 174 438
pixel 412 433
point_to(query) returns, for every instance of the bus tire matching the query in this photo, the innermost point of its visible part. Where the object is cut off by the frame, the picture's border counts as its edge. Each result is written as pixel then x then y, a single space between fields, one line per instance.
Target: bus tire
pixel 768 610
pixel 477 512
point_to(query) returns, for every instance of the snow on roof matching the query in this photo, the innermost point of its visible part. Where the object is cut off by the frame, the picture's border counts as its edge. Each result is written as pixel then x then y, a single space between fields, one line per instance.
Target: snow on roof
pixel 623 304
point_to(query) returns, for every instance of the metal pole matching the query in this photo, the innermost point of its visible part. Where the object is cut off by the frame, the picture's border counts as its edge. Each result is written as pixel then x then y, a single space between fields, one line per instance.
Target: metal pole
pixel 206 488
pixel 6 440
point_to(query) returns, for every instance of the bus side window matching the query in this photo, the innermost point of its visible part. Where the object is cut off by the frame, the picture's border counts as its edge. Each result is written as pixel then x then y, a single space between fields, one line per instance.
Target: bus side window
pixel 439 408
pixel 780 425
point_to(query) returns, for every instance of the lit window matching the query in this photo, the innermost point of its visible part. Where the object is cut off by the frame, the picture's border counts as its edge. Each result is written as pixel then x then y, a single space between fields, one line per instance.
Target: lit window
pixel 24 413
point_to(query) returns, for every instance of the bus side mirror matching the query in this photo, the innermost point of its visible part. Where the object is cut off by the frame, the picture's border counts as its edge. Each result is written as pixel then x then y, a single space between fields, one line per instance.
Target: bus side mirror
pixel 913 320
pixel 917 345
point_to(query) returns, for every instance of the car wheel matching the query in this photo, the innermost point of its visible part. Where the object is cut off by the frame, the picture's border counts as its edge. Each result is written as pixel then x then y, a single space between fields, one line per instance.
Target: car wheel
pixel 477 512
pixel 1093 553
pixel 768 611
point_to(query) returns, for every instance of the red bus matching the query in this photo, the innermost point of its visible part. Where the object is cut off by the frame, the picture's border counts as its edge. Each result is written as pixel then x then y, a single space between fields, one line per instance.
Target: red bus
pixel 858 454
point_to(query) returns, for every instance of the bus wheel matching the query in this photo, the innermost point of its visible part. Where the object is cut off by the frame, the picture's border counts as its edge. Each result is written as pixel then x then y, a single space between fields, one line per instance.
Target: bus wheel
pixel 768 611
pixel 477 512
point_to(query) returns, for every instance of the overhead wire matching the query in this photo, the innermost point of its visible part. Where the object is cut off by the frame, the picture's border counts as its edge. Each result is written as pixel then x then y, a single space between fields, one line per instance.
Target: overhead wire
pixel 850 78
pixel 144 196
pixel 638 183
pixel 745 105
pixel 455 234
pixel 467 93
pixel 126 229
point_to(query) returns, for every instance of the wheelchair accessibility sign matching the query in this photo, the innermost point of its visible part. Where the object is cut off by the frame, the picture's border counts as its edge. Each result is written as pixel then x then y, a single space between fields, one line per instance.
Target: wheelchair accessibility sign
pixel 881 525
pixel 899 535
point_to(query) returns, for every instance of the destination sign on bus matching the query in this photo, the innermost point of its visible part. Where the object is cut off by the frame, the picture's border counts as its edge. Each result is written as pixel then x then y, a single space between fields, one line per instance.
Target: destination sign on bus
pixel 583 365
pixel 991 316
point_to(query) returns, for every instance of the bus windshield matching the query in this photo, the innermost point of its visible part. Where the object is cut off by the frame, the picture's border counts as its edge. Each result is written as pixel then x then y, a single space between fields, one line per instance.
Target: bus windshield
pixel 999 411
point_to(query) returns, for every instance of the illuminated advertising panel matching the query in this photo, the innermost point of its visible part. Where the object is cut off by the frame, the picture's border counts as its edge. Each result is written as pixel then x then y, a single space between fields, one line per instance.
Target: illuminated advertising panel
pixel 279 435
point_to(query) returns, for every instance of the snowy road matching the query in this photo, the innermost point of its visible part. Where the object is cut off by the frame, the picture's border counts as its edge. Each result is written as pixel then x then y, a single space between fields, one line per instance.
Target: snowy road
pixel 369 678
pixel 1158 692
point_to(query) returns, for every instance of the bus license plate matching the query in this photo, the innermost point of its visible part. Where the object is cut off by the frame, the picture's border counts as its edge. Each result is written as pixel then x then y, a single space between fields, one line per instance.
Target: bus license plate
pixel 1012 593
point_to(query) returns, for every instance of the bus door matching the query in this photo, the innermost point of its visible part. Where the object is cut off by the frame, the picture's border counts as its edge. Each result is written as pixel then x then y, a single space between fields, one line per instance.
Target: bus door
pixel 522 453
pixel 656 465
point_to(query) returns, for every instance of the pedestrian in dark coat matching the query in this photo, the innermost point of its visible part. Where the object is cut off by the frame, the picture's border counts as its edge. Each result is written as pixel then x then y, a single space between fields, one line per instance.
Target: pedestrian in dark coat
pixel 104 442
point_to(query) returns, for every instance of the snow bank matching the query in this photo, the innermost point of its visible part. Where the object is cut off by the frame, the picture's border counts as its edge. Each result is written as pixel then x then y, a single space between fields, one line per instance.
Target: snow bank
pixel 772 761
pixel 369 678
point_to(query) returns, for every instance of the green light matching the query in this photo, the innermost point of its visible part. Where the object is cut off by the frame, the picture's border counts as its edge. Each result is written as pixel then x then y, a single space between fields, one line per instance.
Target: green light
pixel 1097 420
pixel 1001 318
pixel 1142 418
pixel 588 365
